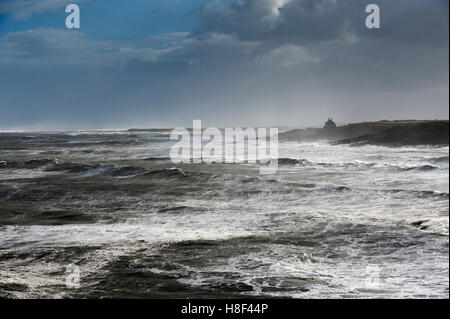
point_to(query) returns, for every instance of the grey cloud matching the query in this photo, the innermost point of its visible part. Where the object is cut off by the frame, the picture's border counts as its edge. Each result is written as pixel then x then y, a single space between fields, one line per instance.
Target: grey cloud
pixel 290 21
pixel 48 47
pixel 44 42
pixel 408 52
pixel 52 47
pixel 286 56
pixel 212 48
pixel 312 21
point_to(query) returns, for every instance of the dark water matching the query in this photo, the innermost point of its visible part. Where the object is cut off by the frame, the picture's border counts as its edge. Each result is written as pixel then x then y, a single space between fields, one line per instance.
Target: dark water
pixel 334 222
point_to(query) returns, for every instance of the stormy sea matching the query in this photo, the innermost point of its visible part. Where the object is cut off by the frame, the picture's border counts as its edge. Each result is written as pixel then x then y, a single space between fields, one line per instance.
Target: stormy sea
pixel 335 221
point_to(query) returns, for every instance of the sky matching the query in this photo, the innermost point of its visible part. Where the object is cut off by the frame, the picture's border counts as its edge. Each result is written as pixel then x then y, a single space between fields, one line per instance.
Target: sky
pixel 229 63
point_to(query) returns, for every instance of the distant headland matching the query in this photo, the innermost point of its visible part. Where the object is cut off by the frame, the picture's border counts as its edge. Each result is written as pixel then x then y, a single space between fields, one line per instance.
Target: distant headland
pixel 388 133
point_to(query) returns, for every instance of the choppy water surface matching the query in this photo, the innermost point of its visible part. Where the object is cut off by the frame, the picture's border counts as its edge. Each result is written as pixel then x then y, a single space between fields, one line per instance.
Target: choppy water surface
pixel 334 222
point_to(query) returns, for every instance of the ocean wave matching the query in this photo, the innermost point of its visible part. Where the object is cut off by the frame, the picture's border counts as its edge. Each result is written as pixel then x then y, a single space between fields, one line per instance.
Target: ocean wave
pixel 423 168
pixel 430 194
pixel 437 226
pixel 181 209
pixel 292 161
pixel 357 164
pixel 421 194
pixel 92 170
pixel 109 170
pixel 30 164
pixel 168 173
pixel 438 160
pixel 157 159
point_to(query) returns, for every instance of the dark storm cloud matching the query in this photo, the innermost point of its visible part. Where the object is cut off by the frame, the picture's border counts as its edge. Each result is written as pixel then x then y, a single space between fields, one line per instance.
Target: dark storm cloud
pixel 279 21
pixel 413 39
pixel 255 62
pixel 310 21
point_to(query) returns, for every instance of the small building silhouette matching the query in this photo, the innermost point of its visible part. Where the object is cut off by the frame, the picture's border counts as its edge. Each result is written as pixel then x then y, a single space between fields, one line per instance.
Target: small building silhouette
pixel 330 124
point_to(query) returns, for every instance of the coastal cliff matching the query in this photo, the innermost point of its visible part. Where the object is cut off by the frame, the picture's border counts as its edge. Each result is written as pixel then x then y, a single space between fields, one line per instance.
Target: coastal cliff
pixel 388 133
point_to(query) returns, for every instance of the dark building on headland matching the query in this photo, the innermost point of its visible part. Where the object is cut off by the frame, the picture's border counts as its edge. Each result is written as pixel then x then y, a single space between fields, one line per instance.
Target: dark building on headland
pixel 330 124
